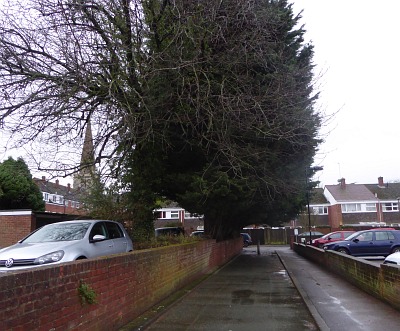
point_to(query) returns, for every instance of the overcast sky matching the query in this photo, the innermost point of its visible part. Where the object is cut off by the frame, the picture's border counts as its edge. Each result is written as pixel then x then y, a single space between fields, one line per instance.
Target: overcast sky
pixel 357 48
pixel 357 52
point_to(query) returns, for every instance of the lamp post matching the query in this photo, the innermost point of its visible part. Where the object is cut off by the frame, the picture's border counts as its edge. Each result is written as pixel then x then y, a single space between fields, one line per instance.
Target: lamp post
pixel 398 205
pixel 312 169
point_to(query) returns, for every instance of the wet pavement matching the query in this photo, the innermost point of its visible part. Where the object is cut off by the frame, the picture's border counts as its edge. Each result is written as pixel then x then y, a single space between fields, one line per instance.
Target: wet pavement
pixel 274 290
pixel 336 304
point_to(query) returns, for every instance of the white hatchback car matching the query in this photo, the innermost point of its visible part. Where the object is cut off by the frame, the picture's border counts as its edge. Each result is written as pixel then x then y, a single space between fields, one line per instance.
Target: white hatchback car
pixel 64 242
pixel 392 259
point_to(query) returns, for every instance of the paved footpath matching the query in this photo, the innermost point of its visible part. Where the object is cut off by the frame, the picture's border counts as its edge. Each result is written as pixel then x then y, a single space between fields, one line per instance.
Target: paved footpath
pixel 336 304
pixel 274 290
pixel 252 292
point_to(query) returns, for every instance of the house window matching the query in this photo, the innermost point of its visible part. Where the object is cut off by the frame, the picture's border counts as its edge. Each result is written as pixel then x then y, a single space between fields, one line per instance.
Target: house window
pixel 370 207
pixel 351 207
pixel 46 196
pixel 390 206
pixel 320 210
pixel 174 214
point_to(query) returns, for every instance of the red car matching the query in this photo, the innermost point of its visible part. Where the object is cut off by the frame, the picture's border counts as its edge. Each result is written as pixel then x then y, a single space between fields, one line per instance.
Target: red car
pixel 331 237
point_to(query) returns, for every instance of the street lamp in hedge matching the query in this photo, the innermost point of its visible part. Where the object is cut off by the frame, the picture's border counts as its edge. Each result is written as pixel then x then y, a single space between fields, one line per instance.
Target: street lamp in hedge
pixel 398 205
pixel 311 170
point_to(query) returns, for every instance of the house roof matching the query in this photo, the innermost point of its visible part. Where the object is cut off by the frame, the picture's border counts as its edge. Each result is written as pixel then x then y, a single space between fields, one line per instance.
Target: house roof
pixel 56 188
pixel 389 191
pixel 317 197
pixel 350 192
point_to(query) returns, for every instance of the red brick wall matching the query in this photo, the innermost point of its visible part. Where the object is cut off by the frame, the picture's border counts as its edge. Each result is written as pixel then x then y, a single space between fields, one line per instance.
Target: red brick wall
pixel 126 286
pixel 335 217
pixel 14 225
pixel 382 282
pixel 56 208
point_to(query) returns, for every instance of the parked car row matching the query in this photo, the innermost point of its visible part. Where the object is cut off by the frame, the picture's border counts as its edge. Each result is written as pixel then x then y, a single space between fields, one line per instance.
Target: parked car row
pixel 331 237
pixel 374 242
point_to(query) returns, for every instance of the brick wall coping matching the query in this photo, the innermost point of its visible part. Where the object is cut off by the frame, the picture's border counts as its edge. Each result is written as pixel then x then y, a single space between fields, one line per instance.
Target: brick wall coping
pixel 15 212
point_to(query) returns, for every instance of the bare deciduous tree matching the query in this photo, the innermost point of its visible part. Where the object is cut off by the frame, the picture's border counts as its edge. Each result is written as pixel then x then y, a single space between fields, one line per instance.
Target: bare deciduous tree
pixel 65 63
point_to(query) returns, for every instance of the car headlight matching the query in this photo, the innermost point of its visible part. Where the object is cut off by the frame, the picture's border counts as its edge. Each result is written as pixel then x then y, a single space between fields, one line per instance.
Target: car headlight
pixel 49 258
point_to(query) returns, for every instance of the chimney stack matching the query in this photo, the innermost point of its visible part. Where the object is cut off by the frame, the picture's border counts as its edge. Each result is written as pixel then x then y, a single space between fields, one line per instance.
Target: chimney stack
pixel 342 182
pixel 57 183
pixel 44 179
pixel 380 182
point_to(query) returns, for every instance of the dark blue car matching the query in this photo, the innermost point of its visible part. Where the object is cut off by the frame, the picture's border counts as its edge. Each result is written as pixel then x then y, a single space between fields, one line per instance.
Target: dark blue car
pixel 377 242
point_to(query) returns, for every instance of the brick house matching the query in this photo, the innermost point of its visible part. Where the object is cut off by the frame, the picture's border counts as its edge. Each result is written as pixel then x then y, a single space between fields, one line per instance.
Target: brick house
pixel 59 198
pixel 175 215
pixel 319 207
pixel 357 204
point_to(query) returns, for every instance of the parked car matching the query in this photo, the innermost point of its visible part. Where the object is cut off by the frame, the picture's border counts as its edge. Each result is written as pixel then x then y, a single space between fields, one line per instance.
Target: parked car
pixel 246 239
pixel 305 236
pixel 64 242
pixel 197 233
pixel 169 231
pixel 368 243
pixel 392 259
pixel 331 237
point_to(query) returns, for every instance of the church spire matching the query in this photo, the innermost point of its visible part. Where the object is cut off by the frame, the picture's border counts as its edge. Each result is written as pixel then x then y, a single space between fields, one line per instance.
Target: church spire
pixel 87 167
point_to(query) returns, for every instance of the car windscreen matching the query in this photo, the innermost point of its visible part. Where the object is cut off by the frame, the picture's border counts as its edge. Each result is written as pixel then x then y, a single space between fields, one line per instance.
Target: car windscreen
pixel 352 236
pixel 347 234
pixel 59 232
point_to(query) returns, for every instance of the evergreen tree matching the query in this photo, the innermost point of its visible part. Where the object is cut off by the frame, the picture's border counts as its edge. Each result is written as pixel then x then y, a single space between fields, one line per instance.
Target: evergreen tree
pixel 236 92
pixel 18 188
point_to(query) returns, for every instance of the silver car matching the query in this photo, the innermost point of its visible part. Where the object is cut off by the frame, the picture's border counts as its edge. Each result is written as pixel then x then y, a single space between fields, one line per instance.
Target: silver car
pixel 64 242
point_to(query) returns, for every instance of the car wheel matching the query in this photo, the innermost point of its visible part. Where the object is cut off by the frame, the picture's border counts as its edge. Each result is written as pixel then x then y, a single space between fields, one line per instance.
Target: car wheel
pixel 396 250
pixel 343 251
pixel 245 244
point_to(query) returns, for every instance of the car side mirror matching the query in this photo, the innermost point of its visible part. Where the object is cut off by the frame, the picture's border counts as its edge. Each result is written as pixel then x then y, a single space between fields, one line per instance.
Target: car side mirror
pixel 98 237
pixel 356 240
